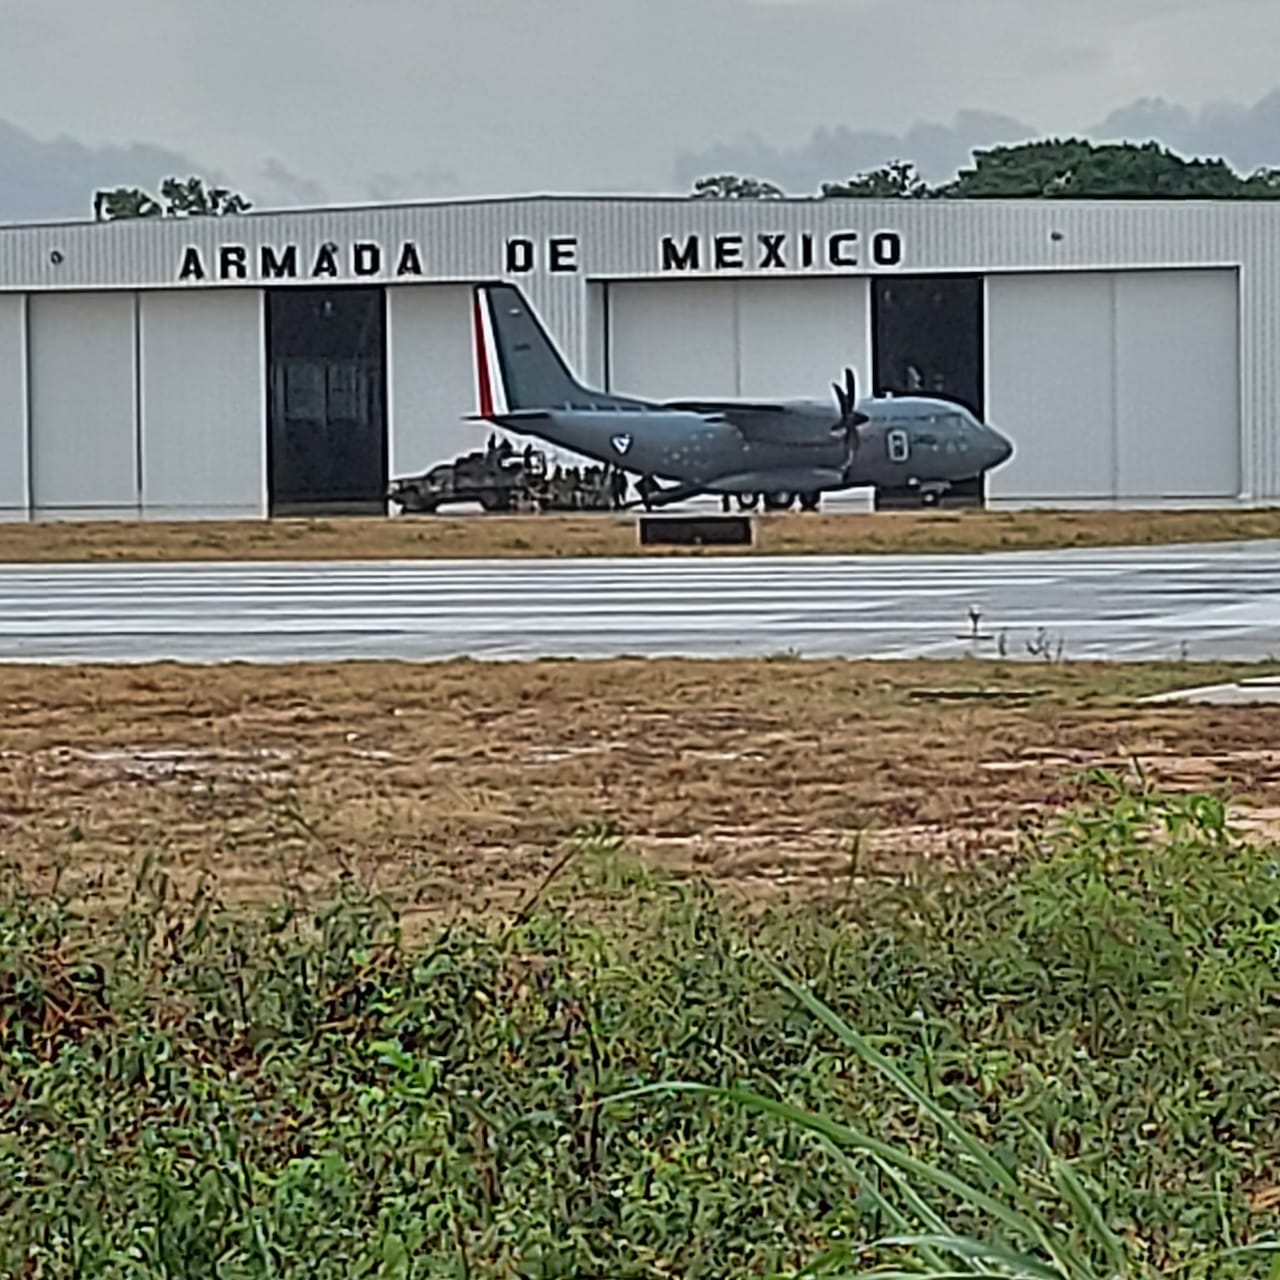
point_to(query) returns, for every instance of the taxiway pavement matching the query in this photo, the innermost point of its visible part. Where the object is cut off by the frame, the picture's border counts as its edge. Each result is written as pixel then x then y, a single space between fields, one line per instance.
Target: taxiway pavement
pixel 1198 602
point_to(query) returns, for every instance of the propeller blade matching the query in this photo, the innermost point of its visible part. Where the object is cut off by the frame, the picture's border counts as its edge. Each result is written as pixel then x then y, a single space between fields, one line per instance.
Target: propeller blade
pixel 847 397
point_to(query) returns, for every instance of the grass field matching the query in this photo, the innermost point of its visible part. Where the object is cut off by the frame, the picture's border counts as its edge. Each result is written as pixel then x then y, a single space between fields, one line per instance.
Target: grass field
pixel 353 970
pixel 605 535
pixel 450 785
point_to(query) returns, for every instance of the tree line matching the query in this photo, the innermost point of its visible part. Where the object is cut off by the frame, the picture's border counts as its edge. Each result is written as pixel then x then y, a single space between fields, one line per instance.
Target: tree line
pixel 177 198
pixel 1070 168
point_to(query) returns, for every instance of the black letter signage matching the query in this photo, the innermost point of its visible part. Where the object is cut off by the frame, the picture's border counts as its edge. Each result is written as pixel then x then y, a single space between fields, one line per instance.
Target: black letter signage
pixel 564 251
pixel 676 259
pixel 366 259
pixel 725 251
pixel 779 251
pixel 519 255
pixel 771 250
pixel 840 256
pixel 284 267
pixel 410 264
pixel 361 260
pixel 192 268
pixel 886 249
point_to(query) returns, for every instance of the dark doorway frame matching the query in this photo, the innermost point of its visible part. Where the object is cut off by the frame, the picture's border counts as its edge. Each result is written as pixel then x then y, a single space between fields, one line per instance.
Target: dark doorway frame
pixel 967 305
pixel 348 364
pixel 933 306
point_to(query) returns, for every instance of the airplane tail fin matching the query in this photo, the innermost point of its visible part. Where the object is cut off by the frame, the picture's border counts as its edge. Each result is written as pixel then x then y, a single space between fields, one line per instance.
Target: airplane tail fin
pixel 518 367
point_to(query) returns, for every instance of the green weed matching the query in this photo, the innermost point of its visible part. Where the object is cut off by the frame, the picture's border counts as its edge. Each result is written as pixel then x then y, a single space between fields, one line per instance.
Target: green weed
pixel 1064 1066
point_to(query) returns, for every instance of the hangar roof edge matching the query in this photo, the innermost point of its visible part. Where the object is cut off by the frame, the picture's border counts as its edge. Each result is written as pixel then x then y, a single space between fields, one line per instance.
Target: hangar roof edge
pixel 599 198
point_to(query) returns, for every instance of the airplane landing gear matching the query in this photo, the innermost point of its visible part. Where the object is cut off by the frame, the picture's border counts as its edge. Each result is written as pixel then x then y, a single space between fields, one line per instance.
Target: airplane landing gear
pixel 780 500
pixel 931 494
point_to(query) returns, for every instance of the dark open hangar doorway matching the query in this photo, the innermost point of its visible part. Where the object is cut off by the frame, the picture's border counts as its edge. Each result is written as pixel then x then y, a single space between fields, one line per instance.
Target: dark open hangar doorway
pixel 326 350
pixel 928 339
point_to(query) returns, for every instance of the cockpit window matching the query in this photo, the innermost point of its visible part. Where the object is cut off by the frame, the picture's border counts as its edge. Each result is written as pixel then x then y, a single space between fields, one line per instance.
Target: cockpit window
pixel 950 423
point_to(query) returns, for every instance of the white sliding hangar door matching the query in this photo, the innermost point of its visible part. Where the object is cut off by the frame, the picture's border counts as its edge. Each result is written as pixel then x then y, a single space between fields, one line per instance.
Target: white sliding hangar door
pixel 83 360
pixel 1115 386
pixel 740 338
pixel 13 405
pixel 203 410
pixel 148 403
pixel 430 377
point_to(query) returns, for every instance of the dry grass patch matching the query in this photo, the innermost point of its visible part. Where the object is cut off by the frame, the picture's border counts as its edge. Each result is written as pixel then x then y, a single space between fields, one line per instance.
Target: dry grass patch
pixel 453 786
pixel 550 536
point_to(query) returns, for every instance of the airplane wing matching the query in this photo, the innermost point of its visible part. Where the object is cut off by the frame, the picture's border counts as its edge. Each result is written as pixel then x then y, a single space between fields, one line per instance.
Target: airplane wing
pixel 727 408
pixel 754 420
pixel 511 415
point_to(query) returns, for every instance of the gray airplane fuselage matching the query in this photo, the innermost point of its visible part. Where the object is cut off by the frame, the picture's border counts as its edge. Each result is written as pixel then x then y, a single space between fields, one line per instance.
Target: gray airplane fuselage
pixel 907 441
pixel 715 445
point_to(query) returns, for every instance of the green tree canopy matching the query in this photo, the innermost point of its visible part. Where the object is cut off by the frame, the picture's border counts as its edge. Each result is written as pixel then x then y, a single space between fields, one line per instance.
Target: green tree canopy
pixel 728 186
pixel 182 198
pixel 897 179
pixel 1071 168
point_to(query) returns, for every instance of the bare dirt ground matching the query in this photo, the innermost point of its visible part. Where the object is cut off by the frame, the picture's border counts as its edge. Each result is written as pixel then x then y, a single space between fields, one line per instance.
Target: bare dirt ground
pixel 454 787
pixel 473 536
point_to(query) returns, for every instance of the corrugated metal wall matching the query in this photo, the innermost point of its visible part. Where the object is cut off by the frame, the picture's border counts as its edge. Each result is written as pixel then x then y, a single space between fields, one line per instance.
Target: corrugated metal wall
pixel 13 406
pixel 623 240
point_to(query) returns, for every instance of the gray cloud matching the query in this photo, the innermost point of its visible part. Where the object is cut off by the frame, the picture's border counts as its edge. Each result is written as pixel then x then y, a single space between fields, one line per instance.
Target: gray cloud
pixel 54 179
pixel 276 184
pixel 313 101
pixel 833 153
pixel 44 180
pixel 416 184
pixel 1247 137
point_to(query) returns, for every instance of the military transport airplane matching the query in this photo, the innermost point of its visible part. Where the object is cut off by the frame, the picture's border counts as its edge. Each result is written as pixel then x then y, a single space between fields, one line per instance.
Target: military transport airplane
pixel 775 450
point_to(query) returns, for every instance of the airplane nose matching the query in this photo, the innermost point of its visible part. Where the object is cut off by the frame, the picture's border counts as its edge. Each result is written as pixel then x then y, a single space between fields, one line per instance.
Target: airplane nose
pixel 1003 449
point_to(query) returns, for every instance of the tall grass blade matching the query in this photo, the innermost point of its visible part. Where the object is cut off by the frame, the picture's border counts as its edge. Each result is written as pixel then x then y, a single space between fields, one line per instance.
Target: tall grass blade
pixel 870 1054
pixel 851 1138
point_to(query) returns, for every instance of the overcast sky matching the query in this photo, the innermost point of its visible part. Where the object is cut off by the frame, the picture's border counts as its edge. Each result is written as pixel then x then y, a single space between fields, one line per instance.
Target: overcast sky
pixel 343 100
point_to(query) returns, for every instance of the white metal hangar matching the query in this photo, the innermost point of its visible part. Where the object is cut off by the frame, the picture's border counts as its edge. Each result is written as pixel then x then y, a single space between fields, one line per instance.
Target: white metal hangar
pixel 293 361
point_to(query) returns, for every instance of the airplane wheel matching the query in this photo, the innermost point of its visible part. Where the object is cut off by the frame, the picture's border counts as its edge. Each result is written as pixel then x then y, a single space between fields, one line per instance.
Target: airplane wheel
pixel 778 501
pixel 748 501
pixel 809 501
pixel 930 498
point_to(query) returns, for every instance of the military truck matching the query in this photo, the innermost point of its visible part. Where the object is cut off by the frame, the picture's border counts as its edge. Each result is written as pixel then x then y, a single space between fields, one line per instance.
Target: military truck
pixel 500 478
